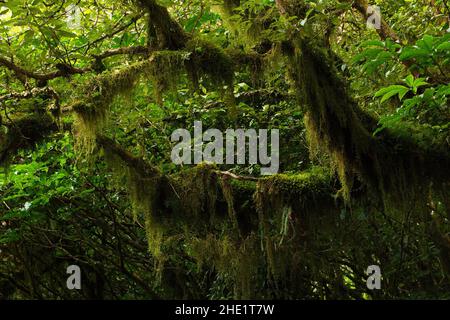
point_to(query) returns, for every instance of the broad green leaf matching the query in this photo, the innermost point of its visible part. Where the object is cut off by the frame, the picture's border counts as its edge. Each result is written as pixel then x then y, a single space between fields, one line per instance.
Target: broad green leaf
pixel 410 53
pixel 376 43
pixel 409 80
pixel 443 46
pixel 391 91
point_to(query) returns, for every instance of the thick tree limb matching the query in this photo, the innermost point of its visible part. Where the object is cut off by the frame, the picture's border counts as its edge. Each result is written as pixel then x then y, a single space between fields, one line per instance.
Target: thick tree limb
pixel 135 162
pixel 168 31
pixel 31 94
pixel 142 166
pixel 64 70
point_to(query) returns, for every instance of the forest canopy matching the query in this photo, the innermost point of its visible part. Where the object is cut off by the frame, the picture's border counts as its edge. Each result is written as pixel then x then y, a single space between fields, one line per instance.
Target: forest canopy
pixel 349 100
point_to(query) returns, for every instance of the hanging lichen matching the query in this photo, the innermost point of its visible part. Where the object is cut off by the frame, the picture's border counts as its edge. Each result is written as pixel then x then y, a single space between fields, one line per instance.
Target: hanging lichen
pixel 227 191
pixel 197 189
pixel 95 98
pixel 253 61
pixel 169 33
pixel 166 70
pixel 278 199
pixel 248 26
pixel 142 182
pixel 238 260
pixel 210 61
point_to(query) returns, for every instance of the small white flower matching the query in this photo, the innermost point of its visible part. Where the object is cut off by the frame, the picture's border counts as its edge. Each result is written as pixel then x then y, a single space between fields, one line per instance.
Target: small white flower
pixel 26 206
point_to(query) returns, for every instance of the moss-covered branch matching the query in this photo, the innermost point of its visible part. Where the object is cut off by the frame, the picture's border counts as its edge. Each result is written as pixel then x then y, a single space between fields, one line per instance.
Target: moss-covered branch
pixel 23 133
pixel 170 35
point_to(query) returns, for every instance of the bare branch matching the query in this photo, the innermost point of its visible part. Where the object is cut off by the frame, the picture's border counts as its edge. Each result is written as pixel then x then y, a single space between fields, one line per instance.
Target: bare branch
pixel 64 70
pixel 234 176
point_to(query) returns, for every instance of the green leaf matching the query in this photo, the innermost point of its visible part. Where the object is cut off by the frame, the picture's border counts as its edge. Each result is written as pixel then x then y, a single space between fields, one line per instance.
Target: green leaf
pixel 371 53
pixel 376 43
pixel 391 91
pixel 409 80
pixel 426 42
pixel 410 53
pixel 443 46
pixel 66 34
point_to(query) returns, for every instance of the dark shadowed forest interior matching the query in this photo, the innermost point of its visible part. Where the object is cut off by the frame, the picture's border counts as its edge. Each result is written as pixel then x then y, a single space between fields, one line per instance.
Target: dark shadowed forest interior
pixel 353 97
